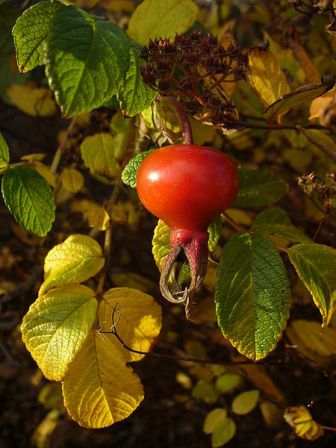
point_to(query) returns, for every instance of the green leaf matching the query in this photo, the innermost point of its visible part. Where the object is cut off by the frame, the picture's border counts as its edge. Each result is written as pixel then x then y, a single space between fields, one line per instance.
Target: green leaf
pixel 214 231
pixel 86 61
pixel 245 402
pixel 75 260
pixel 131 169
pixel 303 95
pixel 213 419
pixel 28 197
pixel 252 295
pixel 135 96
pixel 30 33
pixel 322 141
pixel 227 382
pixel 315 264
pixel 275 221
pixel 223 433
pixel 161 18
pixel 4 152
pixel 259 188
pixel 56 327
pixel 205 391
pixel 98 154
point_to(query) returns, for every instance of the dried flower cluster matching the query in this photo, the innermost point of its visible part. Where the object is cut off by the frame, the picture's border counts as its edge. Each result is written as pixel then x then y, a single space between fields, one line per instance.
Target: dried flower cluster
pixel 321 191
pixel 194 69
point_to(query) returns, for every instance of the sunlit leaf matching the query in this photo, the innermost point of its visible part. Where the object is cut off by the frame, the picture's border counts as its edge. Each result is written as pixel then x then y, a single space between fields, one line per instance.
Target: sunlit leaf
pixel 213 418
pixel 315 264
pixel 75 260
pixel 245 402
pixel 98 154
pixel 266 76
pixel 136 317
pixel 252 295
pixel 223 433
pixel 72 180
pixel 99 389
pixel 97 217
pixel 319 340
pixel 227 382
pixel 4 152
pixel 300 419
pixel 130 171
pixel 56 327
pixel 161 18
pixel 35 101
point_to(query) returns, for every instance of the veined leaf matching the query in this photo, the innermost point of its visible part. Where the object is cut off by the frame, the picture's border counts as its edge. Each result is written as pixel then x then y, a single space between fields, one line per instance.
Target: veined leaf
pixel 252 295
pixel 259 188
pixel 30 33
pixel 316 267
pixel 98 154
pixel 131 169
pixel 275 221
pixel 75 260
pixel 137 319
pixel 321 341
pixel 161 18
pixel 34 101
pixel 56 327
pixel 135 96
pixel 4 152
pixel 300 96
pixel 266 76
pixel 29 198
pixel 214 230
pixel 99 389
pixel 86 60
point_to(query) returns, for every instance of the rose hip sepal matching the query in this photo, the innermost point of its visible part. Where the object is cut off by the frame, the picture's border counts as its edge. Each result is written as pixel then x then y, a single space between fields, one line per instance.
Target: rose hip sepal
pixel 186 186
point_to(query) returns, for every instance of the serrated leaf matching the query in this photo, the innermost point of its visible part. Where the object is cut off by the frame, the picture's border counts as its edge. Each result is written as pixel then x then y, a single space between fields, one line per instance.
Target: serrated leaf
pixel 302 95
pixel 34 101
pixel 130 171
pixel 315 264
pixel 99 389
pixel 4 153
pixel 30 33
pixel 214 418
pixel 252 295
pixel 72 180
pixel 135 96
pixel 86 60
pixel 266 76
pixel 29 198
pixel 245 402
pixel 98 154
pixel 75 260
pixel 223 433
pixel 275 221
pixel 214 232
pixel 300 419
pixel 227 382
pixel 258 188
pixel 161 18
pixel 56 327
pixel 137 319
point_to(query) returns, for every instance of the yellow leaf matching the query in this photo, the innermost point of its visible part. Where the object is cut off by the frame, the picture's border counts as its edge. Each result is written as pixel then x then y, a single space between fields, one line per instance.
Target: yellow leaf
pixel 45 172
pixel 56 326
pixel 98 154
pixel 300 419
pixel 97 217
pixel 320 340
pixel 35 157
pixel 75 260
pixel 160 243
pixel 312 73
pixel 266 76
pixel 72 180
pixel 161 18
pixel 137 319
pixel 43 432
pixel 99 389
pixel 214 418
pixel 35 101
pixel 245 402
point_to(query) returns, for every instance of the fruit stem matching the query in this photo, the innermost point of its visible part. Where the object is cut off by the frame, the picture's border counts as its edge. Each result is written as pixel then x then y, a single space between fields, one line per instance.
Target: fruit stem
pixel 186 132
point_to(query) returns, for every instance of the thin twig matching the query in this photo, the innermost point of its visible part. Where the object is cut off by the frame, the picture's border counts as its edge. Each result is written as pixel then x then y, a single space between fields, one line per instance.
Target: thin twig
pixel 319 227
pixel 60 149
pixel 233 223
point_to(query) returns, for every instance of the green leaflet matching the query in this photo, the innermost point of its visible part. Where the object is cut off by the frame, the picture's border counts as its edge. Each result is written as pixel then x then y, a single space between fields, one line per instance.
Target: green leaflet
pixel 28 197
pixel 275 221
pixel 4 153
pixel 30 33
pixel 259 188
pixel 252 294
pixel 85 60
pixel 130 171
pixel 315 264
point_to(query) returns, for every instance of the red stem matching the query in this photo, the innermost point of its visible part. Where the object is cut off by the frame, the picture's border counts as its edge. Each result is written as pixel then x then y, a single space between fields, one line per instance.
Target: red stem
pixel 187 138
